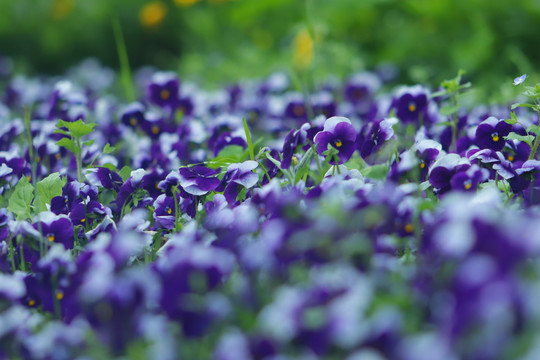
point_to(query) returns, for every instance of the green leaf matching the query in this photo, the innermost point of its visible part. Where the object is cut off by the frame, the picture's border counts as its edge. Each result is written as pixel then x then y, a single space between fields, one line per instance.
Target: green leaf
pixel 108 166
pixel 248 137
pixel 235 152
pixel 448 110
pixel 438 93
pixel 377 172
pixel 89 142
pixel 21 199
pixel 444 123
pixel 425 185
pixel 513 119
pixel 109 149
pixel 516 105
pixel 535 129
pixel 306 160
pixel 78 128
pixel 48 188
pixel 514 136
pixel 68 144
pixel 125 172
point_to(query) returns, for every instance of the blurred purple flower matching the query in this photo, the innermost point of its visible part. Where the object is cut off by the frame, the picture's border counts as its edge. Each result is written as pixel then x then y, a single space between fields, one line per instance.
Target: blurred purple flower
pixel 339 134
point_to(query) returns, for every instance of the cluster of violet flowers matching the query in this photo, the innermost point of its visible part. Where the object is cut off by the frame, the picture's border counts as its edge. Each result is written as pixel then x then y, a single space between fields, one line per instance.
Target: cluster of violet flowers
pixel 358 221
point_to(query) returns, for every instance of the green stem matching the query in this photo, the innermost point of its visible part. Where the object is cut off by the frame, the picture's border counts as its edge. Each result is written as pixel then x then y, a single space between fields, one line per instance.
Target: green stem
pixel 316 158
pixel 78 157
pixel 176 212
pixel 535 148
pixel 265 171
pixel 454 123
pixel 23 263
pixel 33 160
pixel 125 70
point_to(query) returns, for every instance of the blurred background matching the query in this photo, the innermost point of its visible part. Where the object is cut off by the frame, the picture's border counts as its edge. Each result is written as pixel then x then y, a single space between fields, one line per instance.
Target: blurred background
pixel 223 41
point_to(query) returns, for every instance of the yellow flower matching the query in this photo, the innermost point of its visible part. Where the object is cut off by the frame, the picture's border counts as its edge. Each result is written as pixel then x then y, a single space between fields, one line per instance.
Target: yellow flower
pixel 62 8
pixel 152 13
pixel 303 49
pixel 186 3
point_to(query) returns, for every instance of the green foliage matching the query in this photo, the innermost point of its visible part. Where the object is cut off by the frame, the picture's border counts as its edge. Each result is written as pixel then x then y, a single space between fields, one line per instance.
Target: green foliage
pixel 21 200
pixel 125 172
pixel 515 136
pixel 76 129
pixel 223 41
pixel 48 188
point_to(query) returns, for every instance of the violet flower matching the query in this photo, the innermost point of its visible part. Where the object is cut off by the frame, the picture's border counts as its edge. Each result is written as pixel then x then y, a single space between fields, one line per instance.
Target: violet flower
pixel 411 104
pixel 339 134
pixel 165 211
pixel 198 180
pixel 163 89
pixel 238 176
pixel 468 180
pixel 293 139
pixel 56 229
pixel 132 115
pixel 490 133
pixel 373 135
pixel 444 169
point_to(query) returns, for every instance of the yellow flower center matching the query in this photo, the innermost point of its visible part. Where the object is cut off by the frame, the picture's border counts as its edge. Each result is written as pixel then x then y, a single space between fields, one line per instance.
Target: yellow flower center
pixel 133 121
pixel 60 295
pixel 422 165
pixel 412 107
pixel 83 220
pixel 298 110
pixel 57 156
pixel 339 143
pixel 29 178
pixel 169 211
pixel 409 228
pixel 155 129
pixel 50 238
pixel 510 158
pixel 495 137
pixel 38 159
pixel 152 13
pixel 467 186
pixel 185 3
pixel 31 302
pixel 164 94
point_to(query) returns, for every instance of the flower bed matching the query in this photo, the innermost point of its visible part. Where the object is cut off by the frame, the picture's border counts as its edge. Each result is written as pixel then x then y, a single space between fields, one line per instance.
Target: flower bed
pixel 255 222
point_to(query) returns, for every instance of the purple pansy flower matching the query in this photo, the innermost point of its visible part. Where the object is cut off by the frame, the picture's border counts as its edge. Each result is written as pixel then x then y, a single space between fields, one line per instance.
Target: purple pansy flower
pixel 198 180
pixel 56 229
pixel 373 135
pixel 468 180
pixel 444 169
pixel 338 133
pixel 292 140
pixel 165 211
pixel 237 176
pixel 296 108
pixel 411 104
pixel 132 115
pixel 104 177
pixel 490 133
pixel 163 89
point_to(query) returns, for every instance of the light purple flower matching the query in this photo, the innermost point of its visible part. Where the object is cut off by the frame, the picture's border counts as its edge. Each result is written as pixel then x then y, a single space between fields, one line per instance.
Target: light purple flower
pixel 520 79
